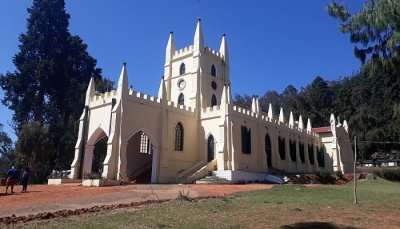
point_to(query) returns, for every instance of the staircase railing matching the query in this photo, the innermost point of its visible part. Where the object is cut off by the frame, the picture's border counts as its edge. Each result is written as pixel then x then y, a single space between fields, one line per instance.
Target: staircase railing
pixel 196 172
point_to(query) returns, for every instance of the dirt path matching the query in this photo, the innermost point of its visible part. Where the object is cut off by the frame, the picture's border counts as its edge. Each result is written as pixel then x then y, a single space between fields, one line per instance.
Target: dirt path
pixel 44 198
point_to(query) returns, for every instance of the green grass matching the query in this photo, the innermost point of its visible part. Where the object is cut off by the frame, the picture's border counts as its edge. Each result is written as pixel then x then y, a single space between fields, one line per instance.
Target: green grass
pixel 280 206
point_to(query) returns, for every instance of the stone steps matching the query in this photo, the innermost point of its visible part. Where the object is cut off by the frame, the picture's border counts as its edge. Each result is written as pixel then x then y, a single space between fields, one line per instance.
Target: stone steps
pixel 212 179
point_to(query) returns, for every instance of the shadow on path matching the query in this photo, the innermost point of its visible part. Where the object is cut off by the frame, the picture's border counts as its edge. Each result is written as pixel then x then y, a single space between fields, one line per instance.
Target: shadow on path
pixel 315 225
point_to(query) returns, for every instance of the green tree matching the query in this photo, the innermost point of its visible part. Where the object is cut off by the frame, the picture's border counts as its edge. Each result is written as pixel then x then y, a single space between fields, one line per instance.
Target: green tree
pixel 6 151
pixel 34 149
pixel 53 69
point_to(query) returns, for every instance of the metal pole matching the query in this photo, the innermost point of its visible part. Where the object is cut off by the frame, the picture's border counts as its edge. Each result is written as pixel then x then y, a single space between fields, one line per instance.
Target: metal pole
pixel 354 171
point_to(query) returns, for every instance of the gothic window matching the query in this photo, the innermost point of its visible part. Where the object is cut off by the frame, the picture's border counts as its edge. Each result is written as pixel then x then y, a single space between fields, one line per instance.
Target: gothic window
pixel 179 137
pixel 321 157
pixel 181 99
pixel 182 69
pixel 292 147
pixel 268 150
pixel 144 143
pixel 282 148
pixel 246 140
pixel 213 100
pixel 210 148
pixel 213 71
pixel 301 151
pixel 214 85
pixel 311 153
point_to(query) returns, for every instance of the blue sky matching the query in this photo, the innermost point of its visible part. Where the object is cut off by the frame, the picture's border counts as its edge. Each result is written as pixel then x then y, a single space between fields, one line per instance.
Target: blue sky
pixel 271 43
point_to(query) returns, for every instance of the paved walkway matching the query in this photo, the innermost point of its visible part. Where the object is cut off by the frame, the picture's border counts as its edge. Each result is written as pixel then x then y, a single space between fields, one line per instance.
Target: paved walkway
pixel 44 198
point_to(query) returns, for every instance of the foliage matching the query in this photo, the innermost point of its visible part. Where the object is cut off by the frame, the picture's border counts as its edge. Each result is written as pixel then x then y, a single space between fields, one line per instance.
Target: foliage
pixel 388 174
pixel 53 69
pixel 370 99
pixel 35 150
pixel 7 155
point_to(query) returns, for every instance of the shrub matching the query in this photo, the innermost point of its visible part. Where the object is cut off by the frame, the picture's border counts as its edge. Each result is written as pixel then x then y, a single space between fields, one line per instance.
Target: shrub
pixel 326 178
pixel 388 174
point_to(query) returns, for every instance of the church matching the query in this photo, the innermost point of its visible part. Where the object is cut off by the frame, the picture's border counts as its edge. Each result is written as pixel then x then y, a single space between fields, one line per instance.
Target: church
pixel 192 130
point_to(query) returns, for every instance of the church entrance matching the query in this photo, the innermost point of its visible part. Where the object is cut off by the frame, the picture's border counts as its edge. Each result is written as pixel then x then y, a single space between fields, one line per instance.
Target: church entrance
pixel 99 154
pixel 210 148
pixel 140 151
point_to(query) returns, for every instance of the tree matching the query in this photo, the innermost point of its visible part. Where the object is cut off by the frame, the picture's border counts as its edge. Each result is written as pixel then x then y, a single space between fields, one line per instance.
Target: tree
pixel 53 69
pixel 375 29
pixel 34 150
pixel 6 151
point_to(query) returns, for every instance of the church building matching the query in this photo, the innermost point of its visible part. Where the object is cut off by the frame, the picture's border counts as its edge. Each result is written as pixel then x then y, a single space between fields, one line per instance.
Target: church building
pixel 192 130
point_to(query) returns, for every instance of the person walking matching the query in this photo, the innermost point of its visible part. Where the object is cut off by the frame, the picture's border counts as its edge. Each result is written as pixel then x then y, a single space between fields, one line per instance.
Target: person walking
pixel 25 179
pixel 11 179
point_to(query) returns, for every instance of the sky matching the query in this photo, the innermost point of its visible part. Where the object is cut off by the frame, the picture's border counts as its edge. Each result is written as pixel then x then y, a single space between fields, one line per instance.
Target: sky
pixel 272 43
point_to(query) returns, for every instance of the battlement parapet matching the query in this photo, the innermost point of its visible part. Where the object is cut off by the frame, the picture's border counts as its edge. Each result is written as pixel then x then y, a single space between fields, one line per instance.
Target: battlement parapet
pixel 183 51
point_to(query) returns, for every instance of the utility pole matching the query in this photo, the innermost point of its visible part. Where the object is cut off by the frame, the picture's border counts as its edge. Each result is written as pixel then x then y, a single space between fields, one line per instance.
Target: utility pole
pixel 354 171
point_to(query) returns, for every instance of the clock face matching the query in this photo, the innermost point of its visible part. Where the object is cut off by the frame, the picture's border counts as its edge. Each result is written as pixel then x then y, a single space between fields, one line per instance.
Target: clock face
pixel 181 84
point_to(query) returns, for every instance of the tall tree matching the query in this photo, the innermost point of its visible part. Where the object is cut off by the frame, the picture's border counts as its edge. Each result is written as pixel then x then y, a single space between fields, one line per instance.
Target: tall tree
pixel 53 69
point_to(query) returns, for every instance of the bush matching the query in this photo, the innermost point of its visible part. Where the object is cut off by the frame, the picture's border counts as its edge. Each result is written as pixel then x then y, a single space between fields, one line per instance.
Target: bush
pixel 388 174
pixel 326 178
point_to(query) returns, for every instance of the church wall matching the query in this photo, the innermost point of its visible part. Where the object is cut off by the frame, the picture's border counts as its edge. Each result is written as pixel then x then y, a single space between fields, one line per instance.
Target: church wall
pixel 99 117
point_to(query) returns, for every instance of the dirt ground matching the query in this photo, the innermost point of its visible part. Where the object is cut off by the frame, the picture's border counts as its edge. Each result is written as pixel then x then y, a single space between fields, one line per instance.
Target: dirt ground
pixel 45 198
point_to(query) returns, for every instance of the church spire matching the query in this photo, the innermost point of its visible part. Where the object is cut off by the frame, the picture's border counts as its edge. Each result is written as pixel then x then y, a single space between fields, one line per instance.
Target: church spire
pixel 162 91
pixel 198 40
pixel 223 48
pixel 170 49
pixel 91 90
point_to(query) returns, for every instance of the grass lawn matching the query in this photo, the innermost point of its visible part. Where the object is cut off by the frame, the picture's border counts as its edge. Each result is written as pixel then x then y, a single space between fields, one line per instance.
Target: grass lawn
pixel 286 206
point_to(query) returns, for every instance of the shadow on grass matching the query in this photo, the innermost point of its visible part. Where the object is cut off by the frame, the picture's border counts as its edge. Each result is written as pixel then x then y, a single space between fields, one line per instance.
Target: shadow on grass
pixel 315 225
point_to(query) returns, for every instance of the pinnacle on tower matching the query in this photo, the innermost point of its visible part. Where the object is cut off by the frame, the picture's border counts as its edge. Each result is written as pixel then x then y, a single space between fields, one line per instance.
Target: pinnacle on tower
pixel 170 49
pixel 301 124
pixel 123 81
pixel 332 119
pixel 291 119
pixel 281 116
pixel 162 91
pixel 345 126
pixel 223 48
pixel 253 105
pixel 309 128
pixel 91 90
pixel 198 40
pixel 270 112
pixel 258 106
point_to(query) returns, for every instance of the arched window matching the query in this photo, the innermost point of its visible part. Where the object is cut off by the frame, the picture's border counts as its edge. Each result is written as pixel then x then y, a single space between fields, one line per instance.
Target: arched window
pixel 182 69
pixel 321 157
pixel 311 153
pixel 301 151
pixel 210 148
pixel 181 99
pixel 282 148
pixel 292 147
pixel 213 71
pixel 268 150
pixel 213 100
pixel 246 140
pixel 179 137
pixel 144 143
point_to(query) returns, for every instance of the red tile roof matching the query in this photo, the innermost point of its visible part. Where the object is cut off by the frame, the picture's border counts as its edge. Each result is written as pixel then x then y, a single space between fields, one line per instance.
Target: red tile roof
pixel 324 129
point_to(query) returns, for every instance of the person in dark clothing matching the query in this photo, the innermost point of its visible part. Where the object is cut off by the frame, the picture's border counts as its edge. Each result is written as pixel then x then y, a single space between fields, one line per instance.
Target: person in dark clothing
pixel 25 179
pixel 12 176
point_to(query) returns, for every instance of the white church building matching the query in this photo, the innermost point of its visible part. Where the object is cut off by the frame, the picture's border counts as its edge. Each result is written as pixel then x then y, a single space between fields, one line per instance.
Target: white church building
pixel 192 129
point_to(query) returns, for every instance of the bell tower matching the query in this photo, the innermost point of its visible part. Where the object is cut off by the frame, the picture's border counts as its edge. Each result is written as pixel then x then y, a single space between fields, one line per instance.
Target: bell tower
pixel 195 75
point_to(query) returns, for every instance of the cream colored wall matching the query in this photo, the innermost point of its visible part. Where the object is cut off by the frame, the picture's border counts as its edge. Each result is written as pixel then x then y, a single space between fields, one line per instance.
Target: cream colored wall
pixel 99 117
